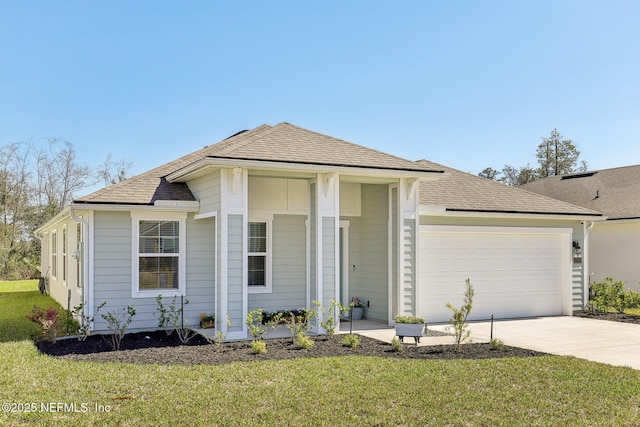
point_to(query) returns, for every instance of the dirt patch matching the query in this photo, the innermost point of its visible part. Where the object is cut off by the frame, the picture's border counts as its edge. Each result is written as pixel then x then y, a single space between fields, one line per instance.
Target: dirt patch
pixel 614 317
pixel 157 348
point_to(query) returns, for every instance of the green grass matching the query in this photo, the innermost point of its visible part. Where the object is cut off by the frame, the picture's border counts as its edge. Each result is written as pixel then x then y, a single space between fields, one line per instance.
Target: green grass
pixel 332 391
pixel 16 302
pixel 19 286
pixel 345 391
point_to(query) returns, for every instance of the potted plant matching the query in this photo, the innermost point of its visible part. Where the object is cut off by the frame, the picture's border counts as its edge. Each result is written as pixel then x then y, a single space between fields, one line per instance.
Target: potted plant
pixel 358 308
pixel 207 321
pixel 410 326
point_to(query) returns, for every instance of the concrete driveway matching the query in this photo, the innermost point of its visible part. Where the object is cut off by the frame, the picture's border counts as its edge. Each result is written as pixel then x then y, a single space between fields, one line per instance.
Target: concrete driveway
pixel 601 341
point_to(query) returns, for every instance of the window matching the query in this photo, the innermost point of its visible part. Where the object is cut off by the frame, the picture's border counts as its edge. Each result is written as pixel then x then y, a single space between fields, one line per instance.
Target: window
pixel 258 262
pixel 64 254
pixel 54 254
pixel 159 265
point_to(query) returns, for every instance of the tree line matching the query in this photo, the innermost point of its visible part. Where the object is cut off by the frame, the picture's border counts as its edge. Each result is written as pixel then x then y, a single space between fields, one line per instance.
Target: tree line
pixel 35 185
pixel 555 156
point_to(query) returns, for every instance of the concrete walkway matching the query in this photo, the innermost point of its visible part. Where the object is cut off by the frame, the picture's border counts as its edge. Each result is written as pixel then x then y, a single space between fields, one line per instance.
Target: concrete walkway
pixel 601 341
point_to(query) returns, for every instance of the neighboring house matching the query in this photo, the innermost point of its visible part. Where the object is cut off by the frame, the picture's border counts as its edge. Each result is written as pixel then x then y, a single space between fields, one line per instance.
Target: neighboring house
pixel 614 241
pixel 280 216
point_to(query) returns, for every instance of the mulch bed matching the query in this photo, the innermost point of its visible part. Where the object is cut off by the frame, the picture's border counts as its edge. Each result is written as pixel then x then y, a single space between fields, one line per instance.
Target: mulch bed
pixel 157 348
pixel 615 317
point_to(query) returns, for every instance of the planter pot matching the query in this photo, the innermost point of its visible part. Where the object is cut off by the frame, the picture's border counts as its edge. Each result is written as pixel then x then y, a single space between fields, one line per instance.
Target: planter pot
pixel 415 330
pixel 207 324
pixel 358 313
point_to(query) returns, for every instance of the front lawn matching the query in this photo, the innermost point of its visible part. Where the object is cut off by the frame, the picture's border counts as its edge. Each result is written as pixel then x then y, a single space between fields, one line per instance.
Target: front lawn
pixel 16 302
pixel 351 390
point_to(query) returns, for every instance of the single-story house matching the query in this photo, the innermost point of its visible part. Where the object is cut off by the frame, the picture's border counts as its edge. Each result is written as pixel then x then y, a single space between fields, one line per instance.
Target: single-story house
pixel 614 241
pixel 279 216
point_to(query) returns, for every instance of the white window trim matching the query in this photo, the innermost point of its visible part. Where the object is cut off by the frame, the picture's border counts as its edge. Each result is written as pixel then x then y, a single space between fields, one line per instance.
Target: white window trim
pixel 136 217
pixel 268 288
pixel 64 253
pixel 54 252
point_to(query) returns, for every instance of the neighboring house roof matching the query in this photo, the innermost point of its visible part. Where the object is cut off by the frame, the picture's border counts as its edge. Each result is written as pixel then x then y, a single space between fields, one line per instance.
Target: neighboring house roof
pixel 614 192
pixel 283 143
pixel 459 191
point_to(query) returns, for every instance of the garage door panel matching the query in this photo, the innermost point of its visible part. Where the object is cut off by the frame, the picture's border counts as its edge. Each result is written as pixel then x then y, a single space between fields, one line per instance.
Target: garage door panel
pixel 513 274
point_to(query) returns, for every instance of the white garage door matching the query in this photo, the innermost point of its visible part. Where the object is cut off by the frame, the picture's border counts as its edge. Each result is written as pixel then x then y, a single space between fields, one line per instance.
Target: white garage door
pixel 515 272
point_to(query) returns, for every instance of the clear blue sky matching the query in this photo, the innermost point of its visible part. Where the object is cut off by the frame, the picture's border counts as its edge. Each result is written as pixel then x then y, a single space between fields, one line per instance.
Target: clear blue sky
pixel 469 84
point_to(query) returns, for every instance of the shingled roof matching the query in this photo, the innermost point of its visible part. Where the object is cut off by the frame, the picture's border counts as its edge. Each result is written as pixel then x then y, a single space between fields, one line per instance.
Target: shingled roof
pixel 283 143
pixel 463 192
pixel 614 192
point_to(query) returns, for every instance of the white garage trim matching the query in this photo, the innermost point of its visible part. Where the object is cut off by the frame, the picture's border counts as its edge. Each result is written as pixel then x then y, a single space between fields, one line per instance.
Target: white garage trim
pixel 486 251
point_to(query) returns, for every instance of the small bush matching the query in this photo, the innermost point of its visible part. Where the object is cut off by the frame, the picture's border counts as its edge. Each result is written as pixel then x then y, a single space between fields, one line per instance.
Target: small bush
pixel 329 315
pixel 302 341
pixel 117 322
pixel 258 347
pixel 351 341
pixel 396 345
pixel 50 321
pixel 496 344
pixel 85 322
pixel 610 296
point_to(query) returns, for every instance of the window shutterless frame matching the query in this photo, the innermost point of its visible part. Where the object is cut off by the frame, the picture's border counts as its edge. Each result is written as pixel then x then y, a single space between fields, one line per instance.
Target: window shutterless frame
pixel 159 254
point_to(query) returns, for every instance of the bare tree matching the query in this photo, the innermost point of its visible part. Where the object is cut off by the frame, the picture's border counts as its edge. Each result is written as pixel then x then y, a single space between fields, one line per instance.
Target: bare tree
pixel 113 172
pixel 61 175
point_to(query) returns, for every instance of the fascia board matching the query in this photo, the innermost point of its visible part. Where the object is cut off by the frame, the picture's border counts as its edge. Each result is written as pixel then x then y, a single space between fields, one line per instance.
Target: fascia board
pixel 184 174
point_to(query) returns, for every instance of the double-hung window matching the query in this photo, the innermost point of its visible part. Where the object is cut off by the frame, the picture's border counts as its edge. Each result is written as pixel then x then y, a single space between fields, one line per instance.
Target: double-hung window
pixel 159 256
pixel 64 254
pixel 258 262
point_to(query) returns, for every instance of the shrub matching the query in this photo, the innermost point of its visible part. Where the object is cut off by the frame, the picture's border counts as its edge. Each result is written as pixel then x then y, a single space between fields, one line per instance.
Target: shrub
pixel 496 344
pixel 258 347
pixel 50 321
pixel 300 325
pixel 117 322
pixel 610 296
pixel 351 341
pixel 396 345
pixel 329 315
pixel 85 322
pixel 458 321
pixel 220 336
pixel 258 327
pixel 170 318
pixel 302 341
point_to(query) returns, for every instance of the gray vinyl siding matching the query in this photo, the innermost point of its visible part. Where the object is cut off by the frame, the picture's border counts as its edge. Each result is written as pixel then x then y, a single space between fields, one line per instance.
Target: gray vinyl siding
pixel 113 264
pixel 207 189
pixel 288 258
pixel 112 270
pixel 235 263
pixel 375 213
pixel 201 268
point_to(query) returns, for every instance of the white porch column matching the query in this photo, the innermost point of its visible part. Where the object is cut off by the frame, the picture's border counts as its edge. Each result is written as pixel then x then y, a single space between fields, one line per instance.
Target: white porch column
pixel 407 243
pixel 326 224
pixel 232 229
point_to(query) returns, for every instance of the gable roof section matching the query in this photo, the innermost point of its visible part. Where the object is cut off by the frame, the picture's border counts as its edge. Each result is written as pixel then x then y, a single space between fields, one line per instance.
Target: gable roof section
pixel 283 143
pixel 614 192
pixel 463 192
